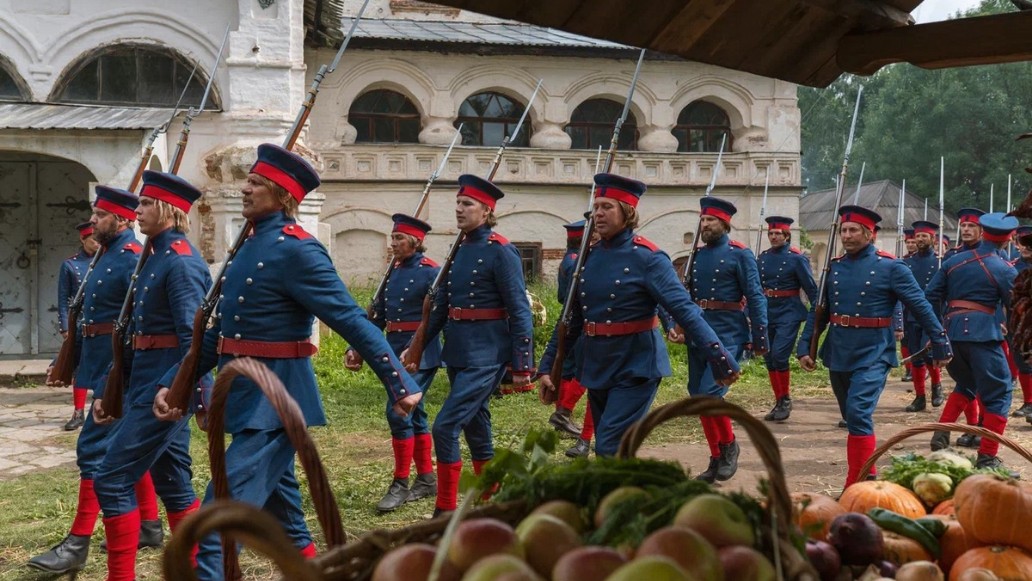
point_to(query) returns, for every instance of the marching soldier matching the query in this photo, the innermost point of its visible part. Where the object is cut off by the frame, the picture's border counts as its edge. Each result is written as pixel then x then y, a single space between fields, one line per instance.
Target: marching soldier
pixel 974 285
pixel 278 281
pixel 486 319
pixel 723 277
pixel 970 231
pixel 784 274
pixel 909 242
pixel 911 247
pixel 112 221
pixel 1023 242
pixel 621 356
pixel 864 286
pixel 168 291
pixel 399 312
pixel 923 264
pixel 68 281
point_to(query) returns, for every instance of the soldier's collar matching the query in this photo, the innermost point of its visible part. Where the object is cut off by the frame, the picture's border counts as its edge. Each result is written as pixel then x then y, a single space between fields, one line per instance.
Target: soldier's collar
pixel 479 233
pixel 271 221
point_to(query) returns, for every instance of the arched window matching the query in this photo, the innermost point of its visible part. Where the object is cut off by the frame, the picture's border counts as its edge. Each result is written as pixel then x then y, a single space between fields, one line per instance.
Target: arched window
pixel 147 76
pixel 700 127
pixel 488 117
pixel 384 116
pixel 9 90
pixel 592 122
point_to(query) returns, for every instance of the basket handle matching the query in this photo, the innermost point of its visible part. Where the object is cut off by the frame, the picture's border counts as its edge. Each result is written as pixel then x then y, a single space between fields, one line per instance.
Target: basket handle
pixel 936 426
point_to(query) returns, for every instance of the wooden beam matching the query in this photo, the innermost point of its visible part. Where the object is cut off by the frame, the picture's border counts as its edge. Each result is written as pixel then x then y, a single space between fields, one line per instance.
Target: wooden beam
pixel 873 13
pixel 982 40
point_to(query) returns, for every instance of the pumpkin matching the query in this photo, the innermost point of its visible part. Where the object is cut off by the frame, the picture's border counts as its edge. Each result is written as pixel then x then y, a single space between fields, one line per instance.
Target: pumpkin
pixel 995 510
pixel 1007 563
pixel 945 507
pixel 867 494
pixel 954 542
pixel 900 549
pixel 813 513
pixel 978 574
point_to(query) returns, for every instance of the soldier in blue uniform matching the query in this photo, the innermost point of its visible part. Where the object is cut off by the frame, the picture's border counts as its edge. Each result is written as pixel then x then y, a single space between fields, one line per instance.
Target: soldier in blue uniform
pixel 280 279
pixel 399 312
pixel 784 273
pixel 863 288
pixel 923 264
pixel 68 280
pixel 974 285
pixel 620 354
pixel 483 310
pixel 911 247
pixel 970 231
pixel 1023 243
pixel 112 221
pixel 167 293
pixel 724 281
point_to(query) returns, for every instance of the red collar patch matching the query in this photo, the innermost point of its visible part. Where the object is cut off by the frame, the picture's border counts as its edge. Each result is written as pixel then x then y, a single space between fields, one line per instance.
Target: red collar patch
pixel 736 244
pixel 427 261
pixel 885 254
pixel 134 247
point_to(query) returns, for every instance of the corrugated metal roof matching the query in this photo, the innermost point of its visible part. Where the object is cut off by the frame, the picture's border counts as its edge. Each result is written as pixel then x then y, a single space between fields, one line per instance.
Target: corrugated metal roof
pixel 500 33
pixel 817 210
pixel 50 116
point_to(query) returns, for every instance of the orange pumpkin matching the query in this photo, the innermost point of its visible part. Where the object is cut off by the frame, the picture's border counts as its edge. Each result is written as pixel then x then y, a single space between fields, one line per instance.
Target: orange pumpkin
pixel 900 549
pixel 1007 563
pixel 867 494
pixel 813 513
pixel 954 542
pixel 995 510
pixel 945 507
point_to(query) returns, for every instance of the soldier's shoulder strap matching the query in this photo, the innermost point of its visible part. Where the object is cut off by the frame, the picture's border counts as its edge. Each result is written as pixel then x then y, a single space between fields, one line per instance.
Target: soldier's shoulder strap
pixel 794 250
pixel 182 248
pixel 643 241
pixel 736 244
pixel 296 231
pixel 427 261
pixel 133 247
pixel 885 254
pixel 496 237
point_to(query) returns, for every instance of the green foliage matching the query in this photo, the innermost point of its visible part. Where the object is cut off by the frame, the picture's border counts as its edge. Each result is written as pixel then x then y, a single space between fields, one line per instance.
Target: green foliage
pixel 905 468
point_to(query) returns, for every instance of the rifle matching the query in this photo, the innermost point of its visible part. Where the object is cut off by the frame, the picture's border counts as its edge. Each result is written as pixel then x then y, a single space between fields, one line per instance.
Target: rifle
pixel 688 264
pixel 378 295
pixel 901 244
pixel 111 403
pixel 821 315
pixel 181 389
pixel 418 344
pixel 763 212
pixel 566 316
pixel 859 182
pixel 942 190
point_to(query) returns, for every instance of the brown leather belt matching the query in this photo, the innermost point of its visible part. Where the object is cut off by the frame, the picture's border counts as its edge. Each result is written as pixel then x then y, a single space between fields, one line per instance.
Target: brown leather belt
pixel 619 328
pixel 861 322
pixel 459 314
pixel 399 326
pixel 145 342
pixel 971 306
pixel 780 294
pixel 267 349
pixel 98 329
pixel 709 305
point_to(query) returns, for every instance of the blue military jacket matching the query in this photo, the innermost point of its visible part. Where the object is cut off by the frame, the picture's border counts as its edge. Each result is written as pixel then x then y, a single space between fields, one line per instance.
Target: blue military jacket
pixel 923 265
pixel 1020 264
pixel 278 280
pixel 981 276
pixel 726 271
pixel 68 281
pixel 408 283
pixel 486 274
pixel 566 267
pixel 102 302
pixel 962 247
pixel 168 291
pixel 869 284
pixel 785 268
pixel 624 279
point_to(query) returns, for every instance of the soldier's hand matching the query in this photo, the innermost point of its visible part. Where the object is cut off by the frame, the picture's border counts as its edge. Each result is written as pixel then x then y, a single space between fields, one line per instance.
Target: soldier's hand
pixel 201 417
pixel 899 335
pixel 410 367
pixel 807 363
pixel 99 417
pixel 675 335
pixel 50 370
pixel 940 363
pixel 352 360
pixel 760 351
pixel 404 406
pixel 547 392
pixel 520 380
pixel 161 409
pixel 730 378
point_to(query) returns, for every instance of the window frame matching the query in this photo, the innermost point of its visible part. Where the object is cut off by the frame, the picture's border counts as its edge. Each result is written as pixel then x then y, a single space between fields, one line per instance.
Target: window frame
pixel 631 123
pixel 476 124
pixel 396 119
pixel 711 132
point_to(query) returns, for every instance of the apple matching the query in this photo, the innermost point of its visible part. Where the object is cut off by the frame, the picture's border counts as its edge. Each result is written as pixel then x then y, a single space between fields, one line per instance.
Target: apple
pixel 479 538
pixel 742 562
pixel 719 520
pixel 406 563
pixel 652 568
pixel 545 539
pixel 615 498
pixel 587 564
pixel 686 547
pixel 501 566
pixel 565 511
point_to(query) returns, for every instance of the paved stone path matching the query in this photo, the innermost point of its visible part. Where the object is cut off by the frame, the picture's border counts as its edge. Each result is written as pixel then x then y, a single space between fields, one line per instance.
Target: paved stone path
pixel 31 430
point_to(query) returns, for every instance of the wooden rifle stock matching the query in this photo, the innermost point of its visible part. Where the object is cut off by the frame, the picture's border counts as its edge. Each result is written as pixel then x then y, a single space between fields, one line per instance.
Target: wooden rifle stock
pixel 556 373
pixel 114 389
pixel 820 323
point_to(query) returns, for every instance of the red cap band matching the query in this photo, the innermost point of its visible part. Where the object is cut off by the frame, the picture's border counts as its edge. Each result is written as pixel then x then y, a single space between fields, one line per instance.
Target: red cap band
pixel 925 230
pixel 410 230
pixel 280 178
pixel 85 232
pixel 864 221
pixel 478 195
pixel 157 193
pixel 778 226
pixel 969 218
pixel 115 209
pixel 574 234
pixel 997 238
pixel 717 213
pixel 619 195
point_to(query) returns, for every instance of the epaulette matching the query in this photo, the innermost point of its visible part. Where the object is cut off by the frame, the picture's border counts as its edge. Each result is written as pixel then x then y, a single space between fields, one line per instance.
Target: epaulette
pixel 182 248
pixel 643 241
pixel 736 244
pixel 427 261
pixel 574 257
pixel 496 237
pixel 134 247
pixel 794 250
pixel 885 254
pixel 296 231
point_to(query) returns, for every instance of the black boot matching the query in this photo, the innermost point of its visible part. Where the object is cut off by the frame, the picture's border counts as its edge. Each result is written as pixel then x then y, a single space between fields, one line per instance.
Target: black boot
pixel 78 419
pixel 710 474
pixel 396 495
pixel 579 450
pixel 969 441
pixel 152 536
pixel 918 405
pixel 68 555
pixel 907 376
pixel 1024 411
pixel 781 410
pixel 994 462
pixel 940 440
pixel 560 420
pixel 842 424
pixel 425 485
pixel 439 512
pixel 728 461
pixel 937 397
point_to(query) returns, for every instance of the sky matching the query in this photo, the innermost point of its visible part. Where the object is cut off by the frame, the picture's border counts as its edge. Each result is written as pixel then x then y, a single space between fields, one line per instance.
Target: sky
pixel 934 10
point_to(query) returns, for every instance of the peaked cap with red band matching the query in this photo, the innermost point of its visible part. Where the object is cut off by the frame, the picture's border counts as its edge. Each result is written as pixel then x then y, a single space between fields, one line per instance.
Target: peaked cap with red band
pixel 926 227
pixel 574 229
pixel 997 226
pixel 779 223
pixel 85 229
pixel 119 202
pixel 412 226
pixel 908 234
pixel 480 190
pixel 286 169
pixel 169 188
pixel 720 209
pixel 619 188
pixel 969 215
pixel 860 215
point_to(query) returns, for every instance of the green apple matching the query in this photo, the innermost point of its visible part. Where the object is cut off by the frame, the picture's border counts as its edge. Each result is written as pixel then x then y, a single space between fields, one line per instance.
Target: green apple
pixel 719 520
pixel 498 567
pixel 651 568
pixel 615 498
pixel 544 539
pixel 565 511
pixel 688 548
pixel 479 538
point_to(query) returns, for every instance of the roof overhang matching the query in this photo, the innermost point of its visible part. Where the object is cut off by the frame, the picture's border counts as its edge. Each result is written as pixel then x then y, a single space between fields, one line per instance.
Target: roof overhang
pixel 49 116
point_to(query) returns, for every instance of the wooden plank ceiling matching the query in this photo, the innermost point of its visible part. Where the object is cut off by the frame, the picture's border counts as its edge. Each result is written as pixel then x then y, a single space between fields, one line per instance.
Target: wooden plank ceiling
pixel 810 42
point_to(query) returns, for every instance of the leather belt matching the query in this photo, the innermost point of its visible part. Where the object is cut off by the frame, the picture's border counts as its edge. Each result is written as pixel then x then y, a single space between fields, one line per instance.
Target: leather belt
pixel 459 314
pixel 267 349
pixel 399 326
pixel 709 305
pixel 971 306
pixel 779 294
pixel 145 342
pixel 861 322
pixel 98 329
pixel 619 328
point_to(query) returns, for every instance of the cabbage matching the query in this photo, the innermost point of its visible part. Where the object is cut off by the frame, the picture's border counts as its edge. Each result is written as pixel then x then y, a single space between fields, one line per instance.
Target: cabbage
pixel 933 487
pixel 950 458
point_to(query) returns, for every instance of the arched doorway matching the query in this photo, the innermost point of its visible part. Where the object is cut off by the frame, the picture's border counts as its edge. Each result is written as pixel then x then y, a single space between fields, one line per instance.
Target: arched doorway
pixel 42 198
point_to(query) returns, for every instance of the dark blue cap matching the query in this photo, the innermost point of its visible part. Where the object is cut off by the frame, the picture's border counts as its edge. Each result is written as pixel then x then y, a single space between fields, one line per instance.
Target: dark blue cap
pixel 717 208
pixel 860 215
pixel 969 214
pixel 619 188
pixel 946 238
pixel 779 222
pixel 119 202
pixel 908 234
pixel 925 226
pixel 85 229
pixel 169 188
pixel 286 169
pixel 574 229
pixel 480 190
pixel 412 226
pixel 997 226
